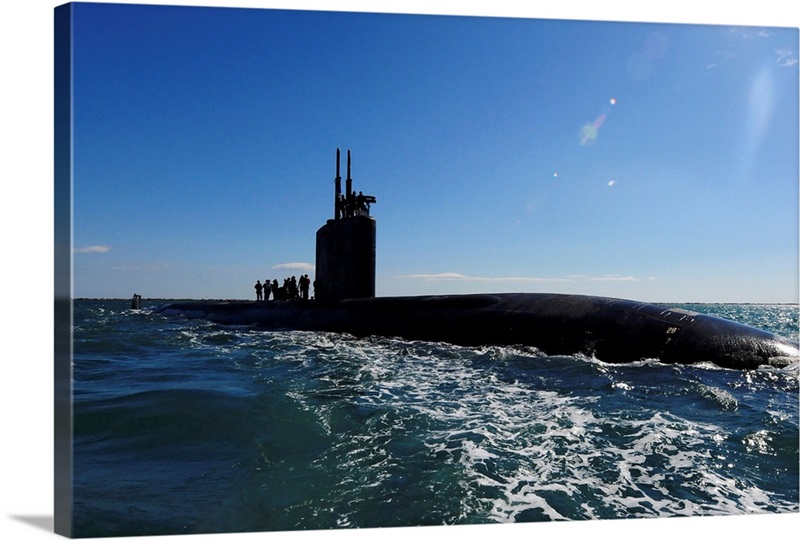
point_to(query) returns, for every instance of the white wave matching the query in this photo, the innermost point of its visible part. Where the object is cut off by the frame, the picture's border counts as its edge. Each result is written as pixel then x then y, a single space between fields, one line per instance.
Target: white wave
pixel 524 449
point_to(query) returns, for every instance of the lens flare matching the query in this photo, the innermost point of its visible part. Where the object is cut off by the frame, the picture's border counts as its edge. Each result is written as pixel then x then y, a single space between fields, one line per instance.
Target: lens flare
pixel 759 116
pixel 589 132
pixel 599 121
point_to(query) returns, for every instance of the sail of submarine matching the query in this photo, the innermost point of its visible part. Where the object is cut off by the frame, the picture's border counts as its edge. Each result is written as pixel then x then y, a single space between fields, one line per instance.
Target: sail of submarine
pixel 610 329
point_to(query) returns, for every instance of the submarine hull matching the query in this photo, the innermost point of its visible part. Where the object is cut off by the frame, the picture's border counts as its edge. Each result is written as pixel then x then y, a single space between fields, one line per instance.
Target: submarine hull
pixel 611 330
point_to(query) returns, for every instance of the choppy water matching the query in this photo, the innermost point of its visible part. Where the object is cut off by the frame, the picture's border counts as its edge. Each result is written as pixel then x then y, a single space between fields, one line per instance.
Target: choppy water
pixel 189 427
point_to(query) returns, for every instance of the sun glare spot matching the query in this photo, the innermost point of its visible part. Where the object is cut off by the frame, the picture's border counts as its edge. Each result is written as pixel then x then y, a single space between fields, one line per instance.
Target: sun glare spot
pixel 759 116
pixel 611 183
pixel 613 101
pixel 600 121
pixel 588 134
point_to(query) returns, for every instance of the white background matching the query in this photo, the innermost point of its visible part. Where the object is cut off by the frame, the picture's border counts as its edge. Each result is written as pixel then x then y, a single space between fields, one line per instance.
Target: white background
pixel 26 30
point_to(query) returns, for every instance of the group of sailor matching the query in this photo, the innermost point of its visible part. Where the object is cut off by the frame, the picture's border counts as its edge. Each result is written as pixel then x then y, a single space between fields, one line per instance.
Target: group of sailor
pixel 292 289
pixel 353 205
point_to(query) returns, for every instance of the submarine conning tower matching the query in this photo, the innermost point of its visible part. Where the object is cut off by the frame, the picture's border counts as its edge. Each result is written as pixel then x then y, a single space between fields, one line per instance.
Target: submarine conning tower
pixel 345 265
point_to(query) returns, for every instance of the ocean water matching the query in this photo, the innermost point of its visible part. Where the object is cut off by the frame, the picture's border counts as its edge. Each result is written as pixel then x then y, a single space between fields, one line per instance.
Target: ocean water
pixel 183 426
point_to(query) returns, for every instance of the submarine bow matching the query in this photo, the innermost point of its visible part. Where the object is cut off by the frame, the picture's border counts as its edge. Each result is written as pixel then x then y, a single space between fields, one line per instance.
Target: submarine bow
pixel 609 329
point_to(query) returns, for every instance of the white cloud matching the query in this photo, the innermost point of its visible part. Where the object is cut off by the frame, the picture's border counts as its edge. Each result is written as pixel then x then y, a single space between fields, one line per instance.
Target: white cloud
pixel 445 275
pixel 92 249
pixel 142 268
pixel 453 276
pixel 308 267
pixel 613 278
pixel 786 58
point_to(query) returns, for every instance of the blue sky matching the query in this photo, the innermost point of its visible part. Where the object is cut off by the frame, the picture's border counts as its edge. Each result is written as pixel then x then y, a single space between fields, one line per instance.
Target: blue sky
pixel 656 162
pixel 555 251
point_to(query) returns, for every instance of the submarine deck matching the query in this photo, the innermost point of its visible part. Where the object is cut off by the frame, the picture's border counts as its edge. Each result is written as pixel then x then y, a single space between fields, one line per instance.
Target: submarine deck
pixel 610 329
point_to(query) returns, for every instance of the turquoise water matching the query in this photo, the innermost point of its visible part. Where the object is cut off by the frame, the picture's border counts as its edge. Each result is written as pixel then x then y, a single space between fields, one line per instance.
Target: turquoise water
pixel 189 427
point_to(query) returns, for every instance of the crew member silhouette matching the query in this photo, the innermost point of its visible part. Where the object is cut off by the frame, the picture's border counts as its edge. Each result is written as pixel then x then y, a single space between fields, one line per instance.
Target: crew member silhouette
pixel 304 284
pixel 258 289
pixel 361 202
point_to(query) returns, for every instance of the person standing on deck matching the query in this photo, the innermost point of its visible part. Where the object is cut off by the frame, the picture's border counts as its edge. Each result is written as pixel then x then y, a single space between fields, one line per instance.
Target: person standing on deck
pixel 304 284
pixel 275 288
pixel 266 290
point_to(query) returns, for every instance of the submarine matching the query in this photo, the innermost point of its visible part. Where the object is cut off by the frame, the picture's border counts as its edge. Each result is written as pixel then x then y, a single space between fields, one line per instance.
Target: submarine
pixel 612 330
